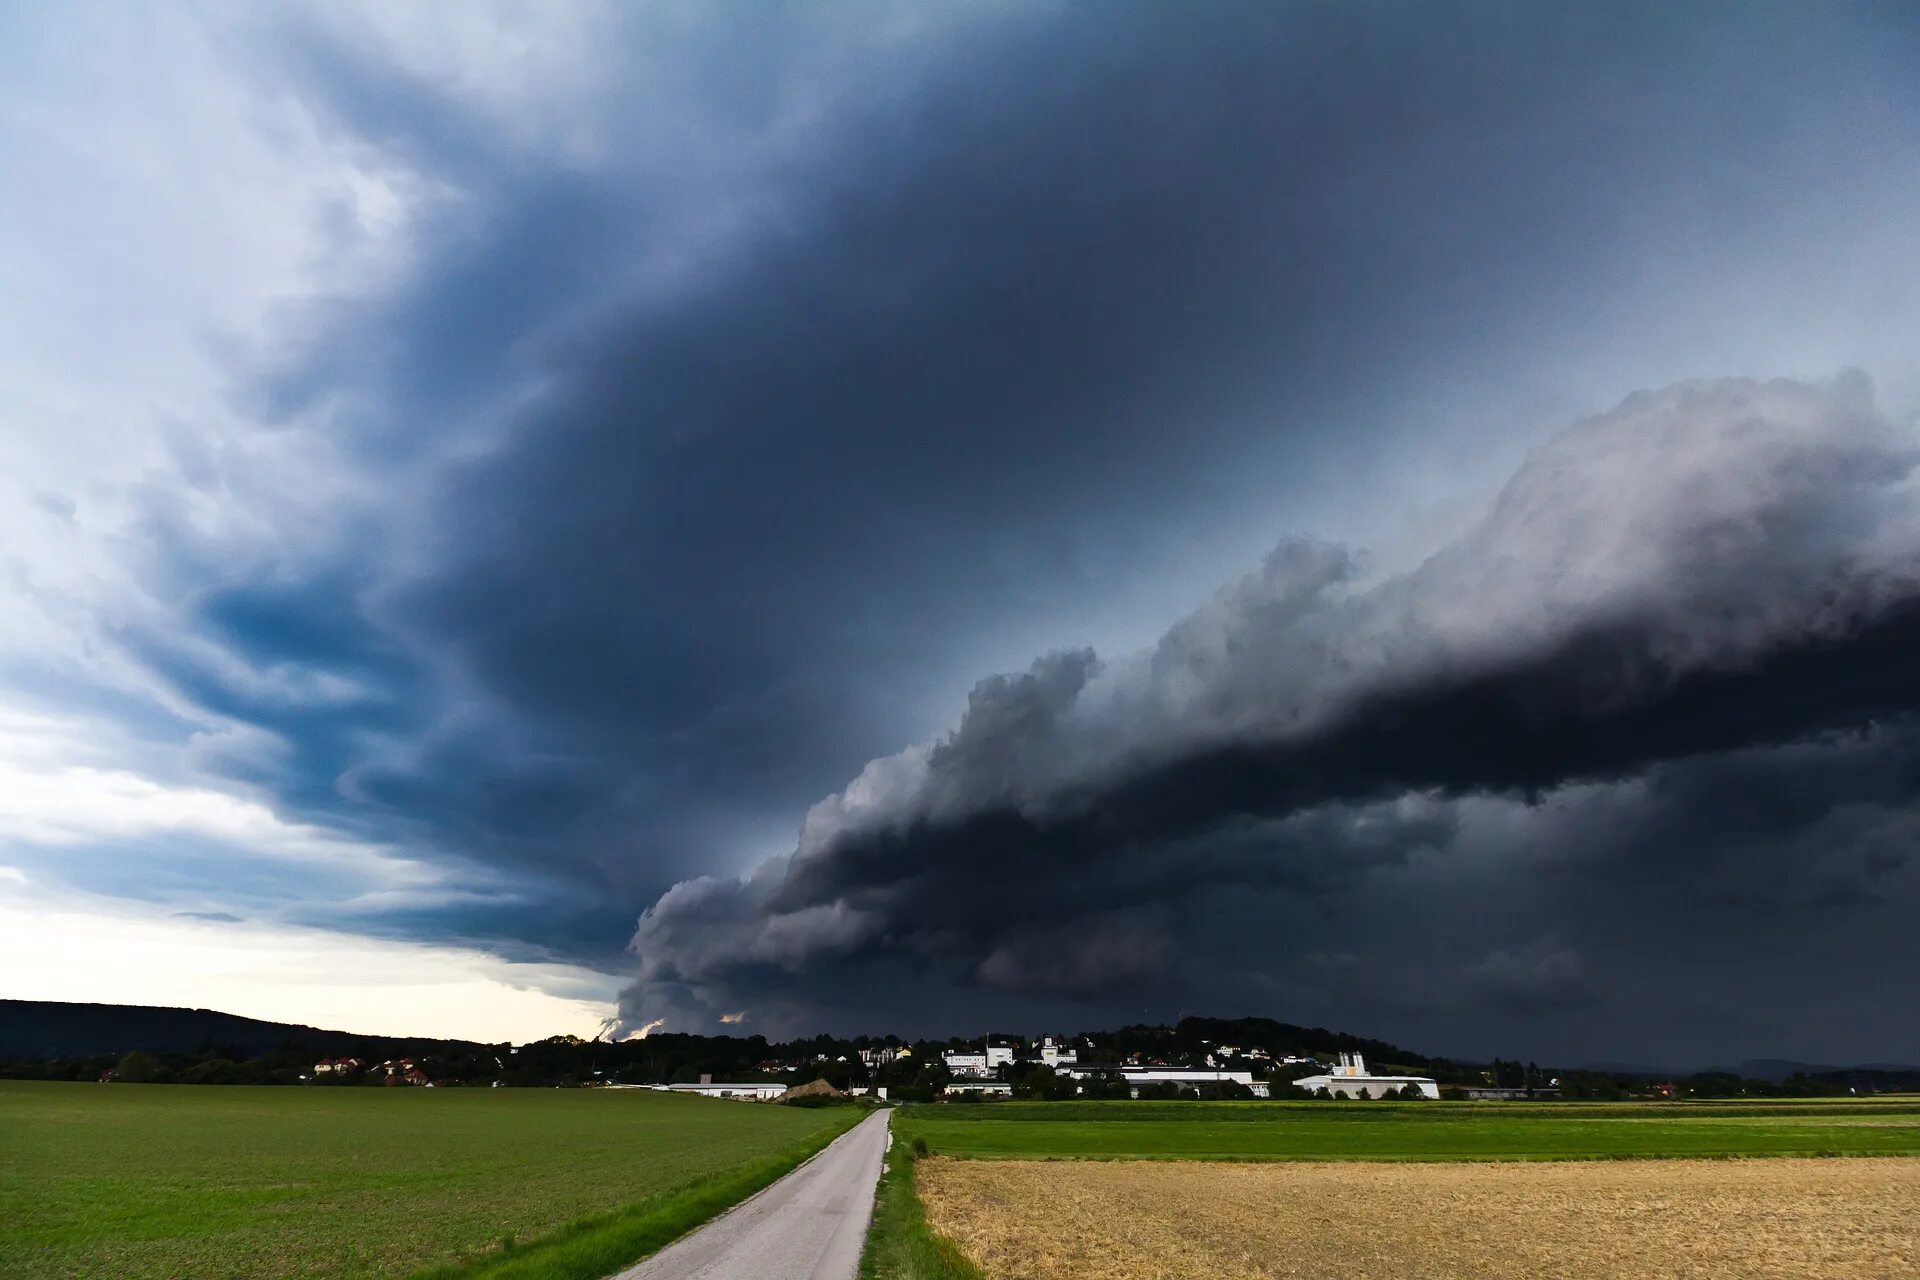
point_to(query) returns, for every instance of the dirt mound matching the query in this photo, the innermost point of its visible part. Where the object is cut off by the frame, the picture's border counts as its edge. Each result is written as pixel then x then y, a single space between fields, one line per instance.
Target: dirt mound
pixel 812 1089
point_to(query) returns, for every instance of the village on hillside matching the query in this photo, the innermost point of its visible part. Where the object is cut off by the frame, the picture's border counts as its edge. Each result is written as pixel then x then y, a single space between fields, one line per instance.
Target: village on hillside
pixel 1198 1057
pixel 1055 1067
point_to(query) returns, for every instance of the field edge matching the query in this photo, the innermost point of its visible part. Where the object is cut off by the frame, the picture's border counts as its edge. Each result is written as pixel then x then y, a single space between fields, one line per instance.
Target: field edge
pixel 1147 1220
pixel 1601 1157
pixel 1414 1133
pixel 901 1245
pixel 598 1245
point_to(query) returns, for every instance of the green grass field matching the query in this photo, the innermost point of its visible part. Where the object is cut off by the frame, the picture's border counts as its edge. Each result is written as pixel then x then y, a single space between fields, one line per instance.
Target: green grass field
pixel 153 1182
pixel 1411 1131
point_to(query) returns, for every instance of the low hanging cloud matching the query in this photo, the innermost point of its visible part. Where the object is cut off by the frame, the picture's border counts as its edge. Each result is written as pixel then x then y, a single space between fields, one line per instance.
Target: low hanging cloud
pixel 1532 979
pixel 1712 567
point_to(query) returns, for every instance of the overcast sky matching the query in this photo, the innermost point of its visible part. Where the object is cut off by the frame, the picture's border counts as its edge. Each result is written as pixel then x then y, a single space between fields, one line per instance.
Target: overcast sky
pixel 919 518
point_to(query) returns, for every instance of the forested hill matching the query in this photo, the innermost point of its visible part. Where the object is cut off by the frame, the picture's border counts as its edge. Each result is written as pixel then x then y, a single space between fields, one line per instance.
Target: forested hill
pixel 1281 1039
pixel 51 1029
pixel 54 1029
pixel 51 1040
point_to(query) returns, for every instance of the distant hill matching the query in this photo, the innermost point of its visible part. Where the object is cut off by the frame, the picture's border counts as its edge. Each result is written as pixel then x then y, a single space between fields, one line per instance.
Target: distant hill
pixel 1284 1039
pixel 1872 1078
pixel 46 1031
pixel 1877 1075
pixel 55 1029
pixel 1778 1069
pixel 1775 1069
pixel 1631 1069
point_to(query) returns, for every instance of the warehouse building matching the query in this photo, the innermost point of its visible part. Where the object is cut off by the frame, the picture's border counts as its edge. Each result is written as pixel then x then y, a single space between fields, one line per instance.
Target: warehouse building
pixel 1351 1079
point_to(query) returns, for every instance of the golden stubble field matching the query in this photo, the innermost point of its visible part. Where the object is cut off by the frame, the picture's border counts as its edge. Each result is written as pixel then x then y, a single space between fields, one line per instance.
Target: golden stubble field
pixel 1844 1219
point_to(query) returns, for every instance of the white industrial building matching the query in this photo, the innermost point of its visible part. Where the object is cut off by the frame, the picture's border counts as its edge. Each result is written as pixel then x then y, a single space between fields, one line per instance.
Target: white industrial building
pixel 1185 1077
pixel 1351 1079
pixel 969 1064
pixel 981 1088
pixel 1055 1053
pixel 753 1091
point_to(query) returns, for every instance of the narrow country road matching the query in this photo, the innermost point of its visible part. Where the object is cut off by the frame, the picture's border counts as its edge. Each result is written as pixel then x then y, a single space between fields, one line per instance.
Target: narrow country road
pixel 810 1225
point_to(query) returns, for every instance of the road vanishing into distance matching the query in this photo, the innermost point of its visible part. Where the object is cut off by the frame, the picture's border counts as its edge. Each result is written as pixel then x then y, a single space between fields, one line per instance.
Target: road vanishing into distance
pixel 810 1225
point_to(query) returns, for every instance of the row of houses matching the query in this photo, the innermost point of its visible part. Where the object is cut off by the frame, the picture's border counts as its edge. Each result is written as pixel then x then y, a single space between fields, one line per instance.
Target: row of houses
pixel 1349 1078
pixel 975 1071
pixel 1135 1077
pixel 395 1070
pixel 985 1063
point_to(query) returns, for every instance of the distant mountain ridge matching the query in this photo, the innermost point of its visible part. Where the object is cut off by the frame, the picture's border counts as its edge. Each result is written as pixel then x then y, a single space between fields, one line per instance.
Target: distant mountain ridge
pixel 49 1029
pixel 58 1029
pixel 1779 1069
pixel 1774 1070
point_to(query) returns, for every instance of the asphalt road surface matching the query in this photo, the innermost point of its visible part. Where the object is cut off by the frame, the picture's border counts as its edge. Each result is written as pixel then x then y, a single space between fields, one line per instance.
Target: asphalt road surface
pixel 810 1225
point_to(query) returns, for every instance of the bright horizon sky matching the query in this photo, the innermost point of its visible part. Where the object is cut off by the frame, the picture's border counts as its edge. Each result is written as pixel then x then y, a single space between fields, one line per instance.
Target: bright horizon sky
pixel 313 977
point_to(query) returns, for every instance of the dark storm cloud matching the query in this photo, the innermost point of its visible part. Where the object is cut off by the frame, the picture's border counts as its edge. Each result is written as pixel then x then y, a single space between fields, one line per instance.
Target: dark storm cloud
pixel 1712 567
pixel 839 365
pixel 765 504
pixel 978 328
pixel 1533 978
pixel 1825 824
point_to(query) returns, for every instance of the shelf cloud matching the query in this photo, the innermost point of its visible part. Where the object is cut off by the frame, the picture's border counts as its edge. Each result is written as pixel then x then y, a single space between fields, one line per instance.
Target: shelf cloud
pixel 1709 568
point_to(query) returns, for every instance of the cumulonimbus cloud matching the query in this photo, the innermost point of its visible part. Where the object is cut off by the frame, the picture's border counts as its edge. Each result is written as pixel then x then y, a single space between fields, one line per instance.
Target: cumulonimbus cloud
pixel 1713 566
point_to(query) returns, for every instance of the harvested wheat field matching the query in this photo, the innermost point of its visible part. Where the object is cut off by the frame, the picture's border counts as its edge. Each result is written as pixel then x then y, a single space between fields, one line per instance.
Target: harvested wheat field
pixel 1161 1220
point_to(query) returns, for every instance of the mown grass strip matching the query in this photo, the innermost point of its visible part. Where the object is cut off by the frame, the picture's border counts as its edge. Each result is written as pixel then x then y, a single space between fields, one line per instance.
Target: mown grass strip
pixel 597 1246
pixel 900 1244
pixel 1378 1131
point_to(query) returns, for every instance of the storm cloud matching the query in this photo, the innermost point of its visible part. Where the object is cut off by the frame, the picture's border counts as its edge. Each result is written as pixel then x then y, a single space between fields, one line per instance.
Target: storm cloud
pixel 473 482
pixel 1713 567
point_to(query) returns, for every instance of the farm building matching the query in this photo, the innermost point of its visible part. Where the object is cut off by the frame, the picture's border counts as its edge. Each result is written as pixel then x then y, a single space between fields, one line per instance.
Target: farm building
pixel 1351 1079
pixel 751 1091
pixel 401 1071
pixel 1185 1077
